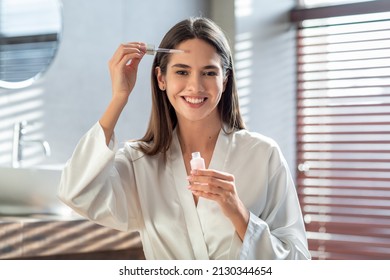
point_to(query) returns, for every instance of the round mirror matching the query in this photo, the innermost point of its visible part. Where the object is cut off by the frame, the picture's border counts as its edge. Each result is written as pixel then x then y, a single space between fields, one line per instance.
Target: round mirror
pixel 29 38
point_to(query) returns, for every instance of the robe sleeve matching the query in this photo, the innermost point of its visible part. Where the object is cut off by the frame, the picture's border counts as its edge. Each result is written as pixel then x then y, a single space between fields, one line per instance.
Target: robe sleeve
pixel 98 182
pixel 278 232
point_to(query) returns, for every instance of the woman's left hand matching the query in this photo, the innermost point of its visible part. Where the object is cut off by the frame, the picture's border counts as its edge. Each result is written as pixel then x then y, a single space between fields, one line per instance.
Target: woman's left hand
pixel 221 188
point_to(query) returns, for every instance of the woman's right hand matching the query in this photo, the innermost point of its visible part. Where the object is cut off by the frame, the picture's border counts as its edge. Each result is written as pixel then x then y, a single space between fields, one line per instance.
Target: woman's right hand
pixel 123 68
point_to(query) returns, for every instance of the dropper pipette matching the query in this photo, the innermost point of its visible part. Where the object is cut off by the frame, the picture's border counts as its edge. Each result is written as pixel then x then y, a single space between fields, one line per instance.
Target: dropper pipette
pixel 150 49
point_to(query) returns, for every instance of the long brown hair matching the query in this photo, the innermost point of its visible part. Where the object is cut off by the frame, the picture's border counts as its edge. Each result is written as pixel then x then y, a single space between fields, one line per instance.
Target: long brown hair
pixel 163 119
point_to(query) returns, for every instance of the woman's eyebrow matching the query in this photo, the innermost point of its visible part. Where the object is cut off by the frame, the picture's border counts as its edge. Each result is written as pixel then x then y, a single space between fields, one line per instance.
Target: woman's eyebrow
pixel 211 67
pixel 180 65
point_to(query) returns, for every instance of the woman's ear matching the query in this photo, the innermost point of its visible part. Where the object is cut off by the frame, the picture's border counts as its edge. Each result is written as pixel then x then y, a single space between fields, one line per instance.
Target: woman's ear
pixel 225 80
pixel 160 78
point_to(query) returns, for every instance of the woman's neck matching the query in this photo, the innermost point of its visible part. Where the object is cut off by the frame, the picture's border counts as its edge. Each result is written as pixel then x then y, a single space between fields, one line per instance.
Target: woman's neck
pixel 198 136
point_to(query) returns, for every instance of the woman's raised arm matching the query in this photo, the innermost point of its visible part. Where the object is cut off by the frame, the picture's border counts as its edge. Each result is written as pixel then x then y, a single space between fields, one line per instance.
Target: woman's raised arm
pixel 123 71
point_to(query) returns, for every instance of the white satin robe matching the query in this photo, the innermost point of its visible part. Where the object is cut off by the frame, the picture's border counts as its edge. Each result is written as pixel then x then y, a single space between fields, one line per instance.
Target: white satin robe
pixel 126 190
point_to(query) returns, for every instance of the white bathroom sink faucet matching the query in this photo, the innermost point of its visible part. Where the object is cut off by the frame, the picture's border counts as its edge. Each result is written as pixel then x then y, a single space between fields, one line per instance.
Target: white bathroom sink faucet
pixel 19 142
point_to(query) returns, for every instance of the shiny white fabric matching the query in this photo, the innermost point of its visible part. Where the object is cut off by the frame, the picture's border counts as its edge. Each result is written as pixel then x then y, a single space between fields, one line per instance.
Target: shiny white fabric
pixel 128 191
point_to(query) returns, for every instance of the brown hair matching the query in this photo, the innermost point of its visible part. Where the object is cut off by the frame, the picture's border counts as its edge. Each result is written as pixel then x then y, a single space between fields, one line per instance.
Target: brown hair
pixel 163 117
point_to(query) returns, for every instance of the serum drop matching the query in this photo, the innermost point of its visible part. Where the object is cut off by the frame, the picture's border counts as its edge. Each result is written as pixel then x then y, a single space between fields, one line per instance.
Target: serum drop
pixel 197 162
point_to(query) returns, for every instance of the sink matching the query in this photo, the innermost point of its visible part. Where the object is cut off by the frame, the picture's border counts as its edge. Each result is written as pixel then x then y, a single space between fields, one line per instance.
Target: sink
pixel 31 190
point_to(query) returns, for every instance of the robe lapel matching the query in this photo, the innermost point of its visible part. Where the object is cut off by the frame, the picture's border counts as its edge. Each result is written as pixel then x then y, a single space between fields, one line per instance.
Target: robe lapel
pixel 218 159
pixel 217 228
pixel 221 152
pixel 194 228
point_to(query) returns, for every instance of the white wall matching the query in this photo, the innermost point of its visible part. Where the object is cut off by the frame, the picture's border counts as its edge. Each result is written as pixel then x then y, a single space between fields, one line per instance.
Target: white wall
pixel 265 64
pixel 76 89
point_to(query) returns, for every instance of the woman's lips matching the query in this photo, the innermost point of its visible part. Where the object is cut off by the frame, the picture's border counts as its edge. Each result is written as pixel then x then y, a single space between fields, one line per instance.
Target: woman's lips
pixel 194 100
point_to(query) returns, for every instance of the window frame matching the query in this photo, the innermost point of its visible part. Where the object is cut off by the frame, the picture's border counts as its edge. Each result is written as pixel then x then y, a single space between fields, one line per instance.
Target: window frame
pixel 297 15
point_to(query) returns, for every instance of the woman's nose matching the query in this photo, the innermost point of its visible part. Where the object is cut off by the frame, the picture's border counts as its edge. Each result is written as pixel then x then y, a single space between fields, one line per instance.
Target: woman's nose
pixel 195 83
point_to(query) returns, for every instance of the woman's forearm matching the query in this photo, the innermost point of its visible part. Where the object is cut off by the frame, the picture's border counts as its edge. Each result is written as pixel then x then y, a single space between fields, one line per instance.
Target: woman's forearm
pixel 111 115
pixel 123 70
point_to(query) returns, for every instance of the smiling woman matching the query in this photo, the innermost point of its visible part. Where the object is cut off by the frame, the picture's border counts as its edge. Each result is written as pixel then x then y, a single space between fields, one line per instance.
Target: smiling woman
pixel 242 205
pixel 29 39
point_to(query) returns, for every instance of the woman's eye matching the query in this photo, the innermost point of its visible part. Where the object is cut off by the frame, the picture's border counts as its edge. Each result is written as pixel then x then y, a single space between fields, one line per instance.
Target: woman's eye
pixel 182 72
pixel 210 73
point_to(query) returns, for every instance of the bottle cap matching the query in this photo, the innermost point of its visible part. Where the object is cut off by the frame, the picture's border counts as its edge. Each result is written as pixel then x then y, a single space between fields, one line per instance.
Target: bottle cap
pixel 195 155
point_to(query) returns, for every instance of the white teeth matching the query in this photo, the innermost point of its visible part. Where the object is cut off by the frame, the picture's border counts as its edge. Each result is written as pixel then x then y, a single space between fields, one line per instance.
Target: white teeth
pixel 194 100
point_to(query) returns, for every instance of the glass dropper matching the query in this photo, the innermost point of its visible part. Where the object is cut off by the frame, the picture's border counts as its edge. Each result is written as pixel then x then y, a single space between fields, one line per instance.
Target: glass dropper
pixel 150 49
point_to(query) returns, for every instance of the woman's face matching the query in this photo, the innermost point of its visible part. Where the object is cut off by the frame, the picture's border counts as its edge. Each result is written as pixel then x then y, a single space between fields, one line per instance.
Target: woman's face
pixel 194 81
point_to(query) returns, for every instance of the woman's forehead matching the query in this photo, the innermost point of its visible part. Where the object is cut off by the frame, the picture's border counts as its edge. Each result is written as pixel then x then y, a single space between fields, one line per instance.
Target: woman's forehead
pixel 197 53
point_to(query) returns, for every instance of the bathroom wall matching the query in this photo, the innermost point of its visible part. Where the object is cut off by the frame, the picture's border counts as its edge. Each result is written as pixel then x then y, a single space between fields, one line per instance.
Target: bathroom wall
pixel 74 92
pixel 265 64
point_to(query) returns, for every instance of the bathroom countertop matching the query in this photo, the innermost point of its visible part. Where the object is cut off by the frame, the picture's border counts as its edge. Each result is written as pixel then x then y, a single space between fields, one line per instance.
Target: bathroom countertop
pixel 23 237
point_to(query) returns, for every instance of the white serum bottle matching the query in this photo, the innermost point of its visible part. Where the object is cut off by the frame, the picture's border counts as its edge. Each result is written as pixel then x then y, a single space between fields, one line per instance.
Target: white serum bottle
pixel 197 162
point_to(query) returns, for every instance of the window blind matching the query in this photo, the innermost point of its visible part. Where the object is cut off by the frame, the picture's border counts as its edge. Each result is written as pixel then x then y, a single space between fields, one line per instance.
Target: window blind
pixel 28 37
pixel 22 57
pixel 343 135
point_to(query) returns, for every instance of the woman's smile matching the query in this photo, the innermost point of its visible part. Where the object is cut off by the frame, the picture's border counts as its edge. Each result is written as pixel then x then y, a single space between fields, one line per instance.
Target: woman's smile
pixel 194 100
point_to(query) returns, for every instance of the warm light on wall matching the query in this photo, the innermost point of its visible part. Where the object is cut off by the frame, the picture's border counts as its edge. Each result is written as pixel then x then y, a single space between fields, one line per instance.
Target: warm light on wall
pixel 243 64
pixel 243 58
